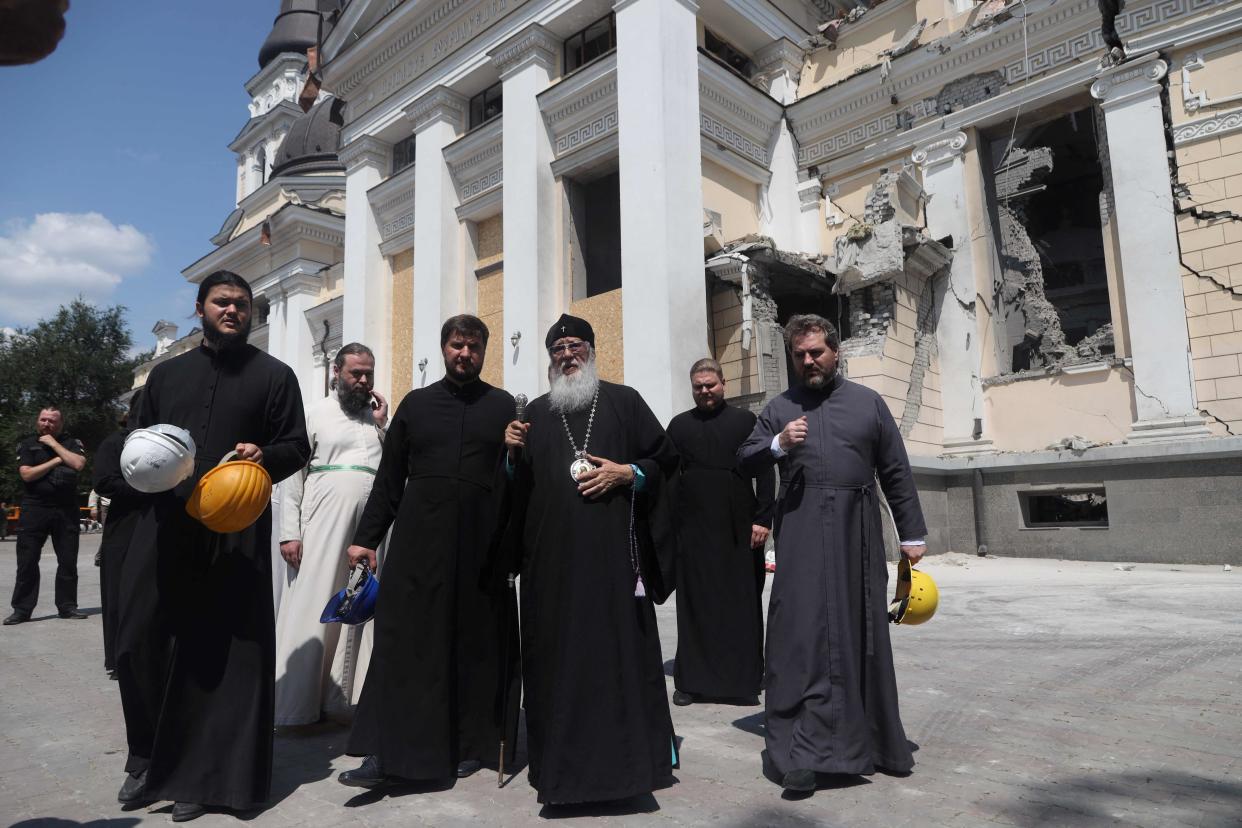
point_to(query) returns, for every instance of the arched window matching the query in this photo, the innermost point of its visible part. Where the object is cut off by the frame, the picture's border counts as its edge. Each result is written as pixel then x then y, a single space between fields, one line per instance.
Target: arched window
pixel 260 160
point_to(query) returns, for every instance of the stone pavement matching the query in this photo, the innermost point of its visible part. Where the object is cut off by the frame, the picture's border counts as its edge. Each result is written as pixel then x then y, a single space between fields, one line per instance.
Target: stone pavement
pixel 1043 693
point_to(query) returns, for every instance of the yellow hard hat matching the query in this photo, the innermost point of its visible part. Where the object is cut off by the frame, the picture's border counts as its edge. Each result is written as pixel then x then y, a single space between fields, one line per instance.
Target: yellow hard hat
pixel 916 598
pixel 232 496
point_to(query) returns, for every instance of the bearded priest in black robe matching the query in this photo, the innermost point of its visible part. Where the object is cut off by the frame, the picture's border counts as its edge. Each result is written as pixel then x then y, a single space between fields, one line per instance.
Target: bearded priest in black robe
pixel 723 518
pixel 435 702
pixel 831 692
pixel 196 641
pixel 591 466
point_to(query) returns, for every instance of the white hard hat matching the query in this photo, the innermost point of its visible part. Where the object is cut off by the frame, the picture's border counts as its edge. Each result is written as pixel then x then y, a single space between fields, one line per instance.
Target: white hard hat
pixel 157 458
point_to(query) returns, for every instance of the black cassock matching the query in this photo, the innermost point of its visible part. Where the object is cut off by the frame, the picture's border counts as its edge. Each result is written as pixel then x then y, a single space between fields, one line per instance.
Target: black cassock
pixel 196 640
pixel 719 576
pixel 597 717
pixel 122 516
pixel 831 692
pixel 434 691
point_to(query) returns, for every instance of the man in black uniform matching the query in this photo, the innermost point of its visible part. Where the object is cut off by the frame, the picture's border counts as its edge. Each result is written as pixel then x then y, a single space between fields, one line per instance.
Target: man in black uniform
pixel 48 464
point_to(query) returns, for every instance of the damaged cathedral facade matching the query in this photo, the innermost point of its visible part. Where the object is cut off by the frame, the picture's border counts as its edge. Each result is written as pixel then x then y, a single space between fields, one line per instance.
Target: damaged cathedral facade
pixel 1032 246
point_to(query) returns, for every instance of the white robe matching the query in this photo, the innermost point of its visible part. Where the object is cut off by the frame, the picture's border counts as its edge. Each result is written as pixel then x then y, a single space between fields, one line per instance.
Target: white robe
pixel 320 668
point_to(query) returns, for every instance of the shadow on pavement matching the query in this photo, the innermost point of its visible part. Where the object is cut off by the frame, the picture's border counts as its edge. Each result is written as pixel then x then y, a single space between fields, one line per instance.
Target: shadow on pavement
pixel 396 790
pixel 773 816
pixel 644 804
pixel 54 822
pixel 1106 798
pixel 751 724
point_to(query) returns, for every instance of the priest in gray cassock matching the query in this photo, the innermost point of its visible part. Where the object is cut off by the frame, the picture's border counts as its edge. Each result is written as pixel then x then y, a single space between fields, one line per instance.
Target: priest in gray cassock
pixel 320 668
pixel 590 469
pixel 831 690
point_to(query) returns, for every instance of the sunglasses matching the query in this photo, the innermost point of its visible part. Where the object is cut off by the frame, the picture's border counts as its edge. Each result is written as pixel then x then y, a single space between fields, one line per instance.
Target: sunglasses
pixel 568 347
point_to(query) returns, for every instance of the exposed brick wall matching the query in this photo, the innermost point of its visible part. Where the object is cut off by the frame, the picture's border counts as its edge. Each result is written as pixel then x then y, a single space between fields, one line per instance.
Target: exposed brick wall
pixel 741 367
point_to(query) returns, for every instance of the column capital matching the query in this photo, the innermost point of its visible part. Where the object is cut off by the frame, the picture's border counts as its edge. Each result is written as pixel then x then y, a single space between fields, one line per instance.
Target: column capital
pixel 439 104
pixel 1128 81
pixel 781 55
pixel 531 45
pixel 364 150
pixel 691 5
pixel 940 151
pixel 809 194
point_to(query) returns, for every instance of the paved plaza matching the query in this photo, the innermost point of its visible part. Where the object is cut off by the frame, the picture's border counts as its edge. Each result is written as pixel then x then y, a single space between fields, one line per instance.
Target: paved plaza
pixel 1043 693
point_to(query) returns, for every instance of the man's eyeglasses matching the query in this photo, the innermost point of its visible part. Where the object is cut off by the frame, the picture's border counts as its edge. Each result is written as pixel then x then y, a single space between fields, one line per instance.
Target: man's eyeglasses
pixel 568 347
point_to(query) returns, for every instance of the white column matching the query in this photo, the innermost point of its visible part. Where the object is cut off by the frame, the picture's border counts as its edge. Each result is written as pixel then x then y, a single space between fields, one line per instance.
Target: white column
pixel 665 305
pixel 810 194
pixel 957 327
pixel 532 279
pixel 1164 393
pixel 368 286
pixel 780 65
pixel 301 292
pixel 276 323
pixel 437 117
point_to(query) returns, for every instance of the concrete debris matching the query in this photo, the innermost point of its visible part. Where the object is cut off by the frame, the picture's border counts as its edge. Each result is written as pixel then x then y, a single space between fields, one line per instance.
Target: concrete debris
pixel 1022 276
pixel 908 41
pixel 1124 567
pixel 1075 444
pixel 1228 568
pixel 889 241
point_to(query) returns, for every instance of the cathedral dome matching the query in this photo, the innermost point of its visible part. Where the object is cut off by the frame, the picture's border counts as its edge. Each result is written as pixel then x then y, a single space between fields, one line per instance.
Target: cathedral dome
pixel 295 29
pixel 312 141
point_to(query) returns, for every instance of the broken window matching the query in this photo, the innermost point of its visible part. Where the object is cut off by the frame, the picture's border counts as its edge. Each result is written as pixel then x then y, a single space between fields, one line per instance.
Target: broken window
pixel 1052 293
pixel 594 234
pixel 1076 507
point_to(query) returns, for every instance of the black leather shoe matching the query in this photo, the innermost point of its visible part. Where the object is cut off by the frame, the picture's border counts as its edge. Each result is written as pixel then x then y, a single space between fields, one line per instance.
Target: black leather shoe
pixel 72 612
pixel 366 775
pixel 186 811
pixel 16 618
pixel 682 699
pixel 133 789
pixel 468 767
pixel 799 780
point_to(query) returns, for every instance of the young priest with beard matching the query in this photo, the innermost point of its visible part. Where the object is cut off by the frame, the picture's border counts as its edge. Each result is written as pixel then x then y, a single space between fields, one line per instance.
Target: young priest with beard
pixel 432 705
pixel 590 467
pixel 321 667
pixel 195 647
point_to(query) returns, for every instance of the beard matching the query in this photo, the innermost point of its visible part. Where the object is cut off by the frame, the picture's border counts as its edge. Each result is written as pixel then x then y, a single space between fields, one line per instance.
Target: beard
pixel 574 392
pixel 222 341
pixel 819 380
pixel 354 401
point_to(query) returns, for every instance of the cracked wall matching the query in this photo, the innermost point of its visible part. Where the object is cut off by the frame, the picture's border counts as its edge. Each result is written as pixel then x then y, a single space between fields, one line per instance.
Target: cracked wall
pixel 1209 200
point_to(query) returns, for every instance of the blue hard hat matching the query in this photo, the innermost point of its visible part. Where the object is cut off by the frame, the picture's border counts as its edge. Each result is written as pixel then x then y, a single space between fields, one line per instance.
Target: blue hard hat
pixel 353 605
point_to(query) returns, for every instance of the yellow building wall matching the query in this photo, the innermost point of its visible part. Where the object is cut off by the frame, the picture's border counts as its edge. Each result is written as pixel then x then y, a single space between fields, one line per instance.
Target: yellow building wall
pixel 402 376
pixel 859 44
pixel 1211 169
pixel 741 367
pixel 1039 412
pixel 603 311
pixel 733 197
pixel 491 296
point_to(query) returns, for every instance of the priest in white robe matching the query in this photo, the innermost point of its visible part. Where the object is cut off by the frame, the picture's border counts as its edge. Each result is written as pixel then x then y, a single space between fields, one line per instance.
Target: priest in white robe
pixel 320 668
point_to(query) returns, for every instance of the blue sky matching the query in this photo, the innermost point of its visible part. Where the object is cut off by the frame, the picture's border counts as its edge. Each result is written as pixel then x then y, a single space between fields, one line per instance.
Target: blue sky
pixel 118 170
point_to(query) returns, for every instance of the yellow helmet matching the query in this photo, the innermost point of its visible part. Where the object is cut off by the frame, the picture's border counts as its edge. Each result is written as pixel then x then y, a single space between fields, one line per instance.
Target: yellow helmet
pixel 232 496
pixel 916 598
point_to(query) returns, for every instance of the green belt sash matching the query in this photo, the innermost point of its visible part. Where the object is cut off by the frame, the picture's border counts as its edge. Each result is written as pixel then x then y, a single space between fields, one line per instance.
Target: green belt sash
pixel 367 469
